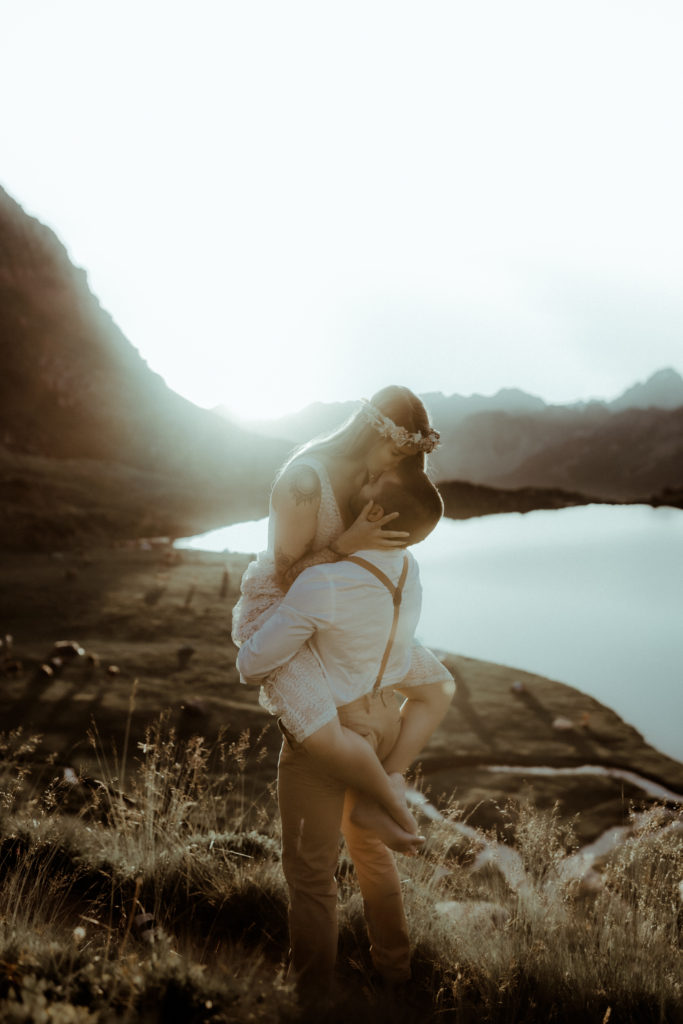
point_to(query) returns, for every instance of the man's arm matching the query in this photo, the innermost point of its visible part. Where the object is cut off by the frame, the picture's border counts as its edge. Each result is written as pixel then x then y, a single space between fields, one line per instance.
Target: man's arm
pixel 306 608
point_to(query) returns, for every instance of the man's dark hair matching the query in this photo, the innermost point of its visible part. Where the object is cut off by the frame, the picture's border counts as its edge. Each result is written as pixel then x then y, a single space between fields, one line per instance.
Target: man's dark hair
pixel 418 502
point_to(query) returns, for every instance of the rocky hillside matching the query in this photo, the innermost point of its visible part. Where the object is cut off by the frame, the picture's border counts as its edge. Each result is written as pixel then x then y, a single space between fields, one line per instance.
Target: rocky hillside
pixel 637 453
pixel 91 440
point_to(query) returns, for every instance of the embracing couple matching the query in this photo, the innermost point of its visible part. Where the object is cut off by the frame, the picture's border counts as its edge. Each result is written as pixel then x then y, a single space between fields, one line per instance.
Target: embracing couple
pixel 325 625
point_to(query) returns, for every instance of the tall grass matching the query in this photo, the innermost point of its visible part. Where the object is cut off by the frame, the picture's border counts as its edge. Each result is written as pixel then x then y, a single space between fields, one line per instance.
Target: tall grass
pixel 547 948
pixel 166 902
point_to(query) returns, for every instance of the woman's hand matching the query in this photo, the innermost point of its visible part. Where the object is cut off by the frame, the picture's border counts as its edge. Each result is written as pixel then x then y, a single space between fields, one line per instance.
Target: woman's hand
pixel 366 532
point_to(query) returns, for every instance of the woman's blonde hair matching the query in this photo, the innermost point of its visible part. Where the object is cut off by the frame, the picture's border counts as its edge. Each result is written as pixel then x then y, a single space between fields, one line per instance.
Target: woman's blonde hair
pixel 354 438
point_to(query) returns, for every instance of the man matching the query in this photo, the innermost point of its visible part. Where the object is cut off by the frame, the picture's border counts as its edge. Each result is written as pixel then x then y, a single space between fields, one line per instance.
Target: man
pixel 359 616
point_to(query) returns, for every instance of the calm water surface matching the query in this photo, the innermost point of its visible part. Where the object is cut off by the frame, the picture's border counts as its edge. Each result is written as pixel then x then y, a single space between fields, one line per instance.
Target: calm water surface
pixel 591 596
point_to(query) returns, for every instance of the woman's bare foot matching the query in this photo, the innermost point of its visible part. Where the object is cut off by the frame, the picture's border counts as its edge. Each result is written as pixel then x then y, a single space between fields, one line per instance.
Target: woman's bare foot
pixel 368 814
pixel 397 830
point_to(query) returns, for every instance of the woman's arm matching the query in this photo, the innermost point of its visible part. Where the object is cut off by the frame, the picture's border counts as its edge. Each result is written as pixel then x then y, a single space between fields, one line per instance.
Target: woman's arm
pixel 289 570
pixel 296 501
pixel 364 533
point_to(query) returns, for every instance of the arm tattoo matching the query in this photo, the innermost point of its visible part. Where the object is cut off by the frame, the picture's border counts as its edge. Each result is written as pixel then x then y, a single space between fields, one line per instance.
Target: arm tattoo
pixel 304 485
pixel 287 569
pixel 283 564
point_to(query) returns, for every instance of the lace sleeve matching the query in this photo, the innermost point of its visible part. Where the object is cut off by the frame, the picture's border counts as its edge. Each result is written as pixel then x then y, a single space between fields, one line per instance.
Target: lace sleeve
pixel 425 668
pixel 323 557
pixel 300 695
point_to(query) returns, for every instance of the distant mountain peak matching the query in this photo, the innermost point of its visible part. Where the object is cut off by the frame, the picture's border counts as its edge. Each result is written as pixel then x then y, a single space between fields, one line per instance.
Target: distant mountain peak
pixel 662 390
pixel 513 392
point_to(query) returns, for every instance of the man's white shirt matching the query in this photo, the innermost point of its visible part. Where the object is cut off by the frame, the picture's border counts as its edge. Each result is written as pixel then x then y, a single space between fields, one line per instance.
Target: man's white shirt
pixel 345 613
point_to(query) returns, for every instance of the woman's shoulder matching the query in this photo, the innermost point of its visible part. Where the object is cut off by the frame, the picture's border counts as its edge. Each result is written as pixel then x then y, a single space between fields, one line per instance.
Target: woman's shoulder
pixel 299 483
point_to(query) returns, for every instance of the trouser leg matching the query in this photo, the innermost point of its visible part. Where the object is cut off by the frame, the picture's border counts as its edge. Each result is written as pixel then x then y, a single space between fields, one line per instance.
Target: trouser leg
pixel 380 886
pixel 377 719
pixel 311 807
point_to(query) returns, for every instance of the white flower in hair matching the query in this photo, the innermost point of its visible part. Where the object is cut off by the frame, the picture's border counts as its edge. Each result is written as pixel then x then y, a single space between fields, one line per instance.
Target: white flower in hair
pixel 386 427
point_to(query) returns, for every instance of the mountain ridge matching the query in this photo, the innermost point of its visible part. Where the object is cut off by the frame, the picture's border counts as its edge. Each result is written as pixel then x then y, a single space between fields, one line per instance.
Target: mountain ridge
pixel 662 389
pixel 75 390
pixel 513 439
pixel 94 446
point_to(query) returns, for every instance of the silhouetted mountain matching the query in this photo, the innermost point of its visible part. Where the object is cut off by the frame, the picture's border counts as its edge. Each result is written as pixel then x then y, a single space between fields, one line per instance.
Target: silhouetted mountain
pixel 320 417
pixel 452 409
pixel 628 449
pixel 628 455
pixel 73 388
pixel 95 446
pixel 633 454
pixel 663 390
pixel 486 445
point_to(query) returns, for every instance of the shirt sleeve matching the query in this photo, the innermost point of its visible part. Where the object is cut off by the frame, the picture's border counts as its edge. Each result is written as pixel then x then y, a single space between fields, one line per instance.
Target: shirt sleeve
pixel 306 608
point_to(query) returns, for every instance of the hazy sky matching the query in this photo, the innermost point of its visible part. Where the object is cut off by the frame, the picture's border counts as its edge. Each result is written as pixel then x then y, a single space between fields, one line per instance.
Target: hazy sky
pixel 284 201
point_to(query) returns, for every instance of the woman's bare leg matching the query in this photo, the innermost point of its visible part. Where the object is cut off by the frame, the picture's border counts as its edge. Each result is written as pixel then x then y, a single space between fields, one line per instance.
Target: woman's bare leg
pixel 421 712
pixel 346 756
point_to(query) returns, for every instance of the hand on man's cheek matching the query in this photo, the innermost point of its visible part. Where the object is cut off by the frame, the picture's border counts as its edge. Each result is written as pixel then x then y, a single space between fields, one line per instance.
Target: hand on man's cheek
pixel 375 513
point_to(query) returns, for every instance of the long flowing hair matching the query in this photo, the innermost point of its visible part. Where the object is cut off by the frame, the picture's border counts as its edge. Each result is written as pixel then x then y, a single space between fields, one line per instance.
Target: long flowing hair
pixel 356 436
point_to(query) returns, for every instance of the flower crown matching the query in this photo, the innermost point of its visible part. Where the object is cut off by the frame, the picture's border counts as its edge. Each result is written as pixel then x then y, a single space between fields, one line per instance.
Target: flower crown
pixel 386 427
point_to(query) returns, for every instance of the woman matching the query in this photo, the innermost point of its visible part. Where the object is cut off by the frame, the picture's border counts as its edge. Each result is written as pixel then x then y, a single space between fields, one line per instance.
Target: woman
pixel 311 522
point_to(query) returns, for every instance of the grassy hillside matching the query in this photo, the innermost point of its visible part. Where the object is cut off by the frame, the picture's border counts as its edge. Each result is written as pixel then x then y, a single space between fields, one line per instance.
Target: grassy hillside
pixel 167 903
pixel 151 793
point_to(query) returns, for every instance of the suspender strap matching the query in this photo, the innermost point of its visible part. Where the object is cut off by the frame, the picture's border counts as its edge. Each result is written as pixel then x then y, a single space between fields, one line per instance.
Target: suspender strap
pixel 396 593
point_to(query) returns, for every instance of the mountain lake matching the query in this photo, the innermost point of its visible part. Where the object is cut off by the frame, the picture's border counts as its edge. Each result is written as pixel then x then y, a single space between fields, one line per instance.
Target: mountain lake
pixel 591 596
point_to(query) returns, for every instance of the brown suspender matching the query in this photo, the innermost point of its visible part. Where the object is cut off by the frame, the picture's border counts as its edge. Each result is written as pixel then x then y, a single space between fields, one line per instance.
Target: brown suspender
pixel 396 593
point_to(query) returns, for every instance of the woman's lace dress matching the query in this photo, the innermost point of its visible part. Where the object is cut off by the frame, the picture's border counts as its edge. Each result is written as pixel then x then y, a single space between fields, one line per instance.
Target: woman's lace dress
pixel 298 692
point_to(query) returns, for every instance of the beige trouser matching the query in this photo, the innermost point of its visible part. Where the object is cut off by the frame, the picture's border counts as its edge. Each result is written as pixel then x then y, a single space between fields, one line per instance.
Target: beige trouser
pixel 313 808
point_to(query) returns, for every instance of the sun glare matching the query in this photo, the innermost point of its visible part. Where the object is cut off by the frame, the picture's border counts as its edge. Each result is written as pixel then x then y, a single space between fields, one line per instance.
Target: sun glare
pixel 271 230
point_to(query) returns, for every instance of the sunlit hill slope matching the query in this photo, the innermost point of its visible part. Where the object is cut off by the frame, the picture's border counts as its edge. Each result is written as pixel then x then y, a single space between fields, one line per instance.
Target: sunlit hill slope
pixel 93 444
pixel 95 447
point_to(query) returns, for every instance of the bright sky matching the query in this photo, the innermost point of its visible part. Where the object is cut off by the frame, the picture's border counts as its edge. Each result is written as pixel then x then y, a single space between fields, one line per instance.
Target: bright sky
pixel 283 202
